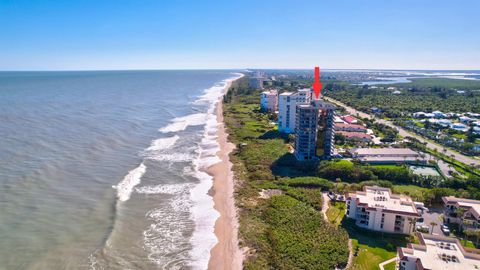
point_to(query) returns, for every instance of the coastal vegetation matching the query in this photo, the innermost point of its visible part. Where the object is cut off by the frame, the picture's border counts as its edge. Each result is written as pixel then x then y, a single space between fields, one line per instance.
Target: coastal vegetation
pixel 282 230
pixel 280 199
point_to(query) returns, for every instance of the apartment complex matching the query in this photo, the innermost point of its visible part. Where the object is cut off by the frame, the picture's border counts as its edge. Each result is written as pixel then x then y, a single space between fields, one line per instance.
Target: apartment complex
pixel 314 130
pixel 437 252
pixel 377 209
pixel 287 104
pixel 304 95
pixel 462 211
pixel 269 100
pixel 306 132
pixel 256 81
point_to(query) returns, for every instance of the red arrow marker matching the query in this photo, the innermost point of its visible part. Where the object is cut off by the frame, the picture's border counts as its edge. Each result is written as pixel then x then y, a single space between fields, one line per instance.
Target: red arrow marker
pixel 317 85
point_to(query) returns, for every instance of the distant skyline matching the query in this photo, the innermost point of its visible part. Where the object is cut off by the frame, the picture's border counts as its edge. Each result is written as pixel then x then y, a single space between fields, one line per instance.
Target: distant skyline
pixel 153 34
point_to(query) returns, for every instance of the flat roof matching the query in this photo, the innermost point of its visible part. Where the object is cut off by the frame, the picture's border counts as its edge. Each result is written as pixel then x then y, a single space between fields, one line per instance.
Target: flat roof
pixel 342 125
pixel 384 151
pixel 378 197
pixel 270 92
pixel 440 252
pixel 387 158
pixel 304 90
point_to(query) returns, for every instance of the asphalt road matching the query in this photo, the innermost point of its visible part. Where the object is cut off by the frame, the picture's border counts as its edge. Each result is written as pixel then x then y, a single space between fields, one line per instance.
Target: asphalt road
pixel 460 157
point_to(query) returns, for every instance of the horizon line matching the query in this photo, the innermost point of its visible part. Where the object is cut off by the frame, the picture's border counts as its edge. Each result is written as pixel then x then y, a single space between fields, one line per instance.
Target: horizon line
pixel 233 69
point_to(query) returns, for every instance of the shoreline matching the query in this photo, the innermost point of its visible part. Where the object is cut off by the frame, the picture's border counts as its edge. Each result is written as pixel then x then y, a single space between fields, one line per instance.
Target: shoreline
pixel 226 254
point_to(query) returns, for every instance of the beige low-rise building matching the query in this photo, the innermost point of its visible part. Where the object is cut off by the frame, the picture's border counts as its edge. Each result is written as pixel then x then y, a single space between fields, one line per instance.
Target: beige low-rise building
pixel 464 212
pixel 435 252
pixel 387 155
pixel 376 208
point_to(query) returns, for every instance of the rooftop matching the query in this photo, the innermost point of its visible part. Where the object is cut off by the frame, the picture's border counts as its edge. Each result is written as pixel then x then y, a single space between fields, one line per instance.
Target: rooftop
pixel 440 252
pixel 349 118
pixel 354 134
pixel 378 197
pixel 341 125
pixel 270 92
pixel 385 151
pixel 465 203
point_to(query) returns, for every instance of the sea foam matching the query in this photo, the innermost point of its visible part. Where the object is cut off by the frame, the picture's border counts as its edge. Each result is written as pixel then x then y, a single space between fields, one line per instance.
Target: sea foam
pixel 133 178
pixel 203 212
pixel 181 123
pixel 163 143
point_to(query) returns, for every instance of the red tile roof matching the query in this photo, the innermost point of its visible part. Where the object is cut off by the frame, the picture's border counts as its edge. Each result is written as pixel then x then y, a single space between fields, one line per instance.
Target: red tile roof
pixel 349 119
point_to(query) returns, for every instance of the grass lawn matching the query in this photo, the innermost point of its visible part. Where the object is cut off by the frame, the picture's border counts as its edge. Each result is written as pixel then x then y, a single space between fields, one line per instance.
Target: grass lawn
pixel 390 266
pixel 417 193
pixel 419 124
pixel 371 248
pixel 336 212
pixel 460 136
pixel 468 244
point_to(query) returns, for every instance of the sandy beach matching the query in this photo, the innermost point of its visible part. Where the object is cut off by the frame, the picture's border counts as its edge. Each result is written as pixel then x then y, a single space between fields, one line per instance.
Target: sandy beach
pixel 226 254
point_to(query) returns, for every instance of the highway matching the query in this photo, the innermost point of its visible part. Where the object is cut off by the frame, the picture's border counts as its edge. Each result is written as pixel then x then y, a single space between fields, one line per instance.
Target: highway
pixel 460 157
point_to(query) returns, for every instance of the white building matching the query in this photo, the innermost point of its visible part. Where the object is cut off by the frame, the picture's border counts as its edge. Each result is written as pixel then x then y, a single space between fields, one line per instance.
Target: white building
pixel 444 122
pixel 437 252
pixel 304 95
pixel 377 209
pixel 465 119
pixel 287 103
pixel 269 100
pixel 420 115
pixel 439 114
pixel 459 127
pixel 256 80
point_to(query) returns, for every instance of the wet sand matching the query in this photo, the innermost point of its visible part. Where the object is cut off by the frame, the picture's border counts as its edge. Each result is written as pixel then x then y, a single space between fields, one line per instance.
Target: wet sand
pixel 226 254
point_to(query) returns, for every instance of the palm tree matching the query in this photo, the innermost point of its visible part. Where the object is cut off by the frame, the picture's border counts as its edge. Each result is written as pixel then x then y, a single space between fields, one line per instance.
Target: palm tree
pixel 433 224
pixel 460 212
pixel 468 232
pixel 411 222
pixel 477 235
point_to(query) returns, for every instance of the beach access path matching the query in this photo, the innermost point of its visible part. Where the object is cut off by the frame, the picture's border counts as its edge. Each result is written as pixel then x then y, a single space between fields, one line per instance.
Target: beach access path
pixel 325 206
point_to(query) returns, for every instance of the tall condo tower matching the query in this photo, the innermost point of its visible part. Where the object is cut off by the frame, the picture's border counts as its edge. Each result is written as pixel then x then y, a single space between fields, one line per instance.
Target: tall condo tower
pixel 314 130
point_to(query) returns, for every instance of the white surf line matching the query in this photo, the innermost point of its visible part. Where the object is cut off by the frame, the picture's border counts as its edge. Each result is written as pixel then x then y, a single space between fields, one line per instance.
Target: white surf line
pixel 133 178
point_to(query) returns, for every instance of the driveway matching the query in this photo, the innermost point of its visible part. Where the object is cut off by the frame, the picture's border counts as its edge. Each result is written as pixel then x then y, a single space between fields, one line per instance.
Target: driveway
pixel 433 215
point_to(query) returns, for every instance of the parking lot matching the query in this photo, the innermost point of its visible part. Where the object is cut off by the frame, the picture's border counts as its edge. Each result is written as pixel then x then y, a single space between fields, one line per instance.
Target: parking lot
pixel 432 215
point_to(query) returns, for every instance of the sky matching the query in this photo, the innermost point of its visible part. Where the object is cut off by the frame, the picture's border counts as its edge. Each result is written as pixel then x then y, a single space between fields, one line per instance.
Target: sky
pixel 182 34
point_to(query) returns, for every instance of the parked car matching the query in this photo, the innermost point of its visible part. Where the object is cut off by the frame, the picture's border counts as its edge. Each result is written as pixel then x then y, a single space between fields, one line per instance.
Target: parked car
pixel 445 229
pixel 422 228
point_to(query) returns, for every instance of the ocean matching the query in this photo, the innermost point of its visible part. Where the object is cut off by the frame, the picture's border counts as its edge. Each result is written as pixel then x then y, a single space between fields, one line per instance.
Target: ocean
pixel 106 169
